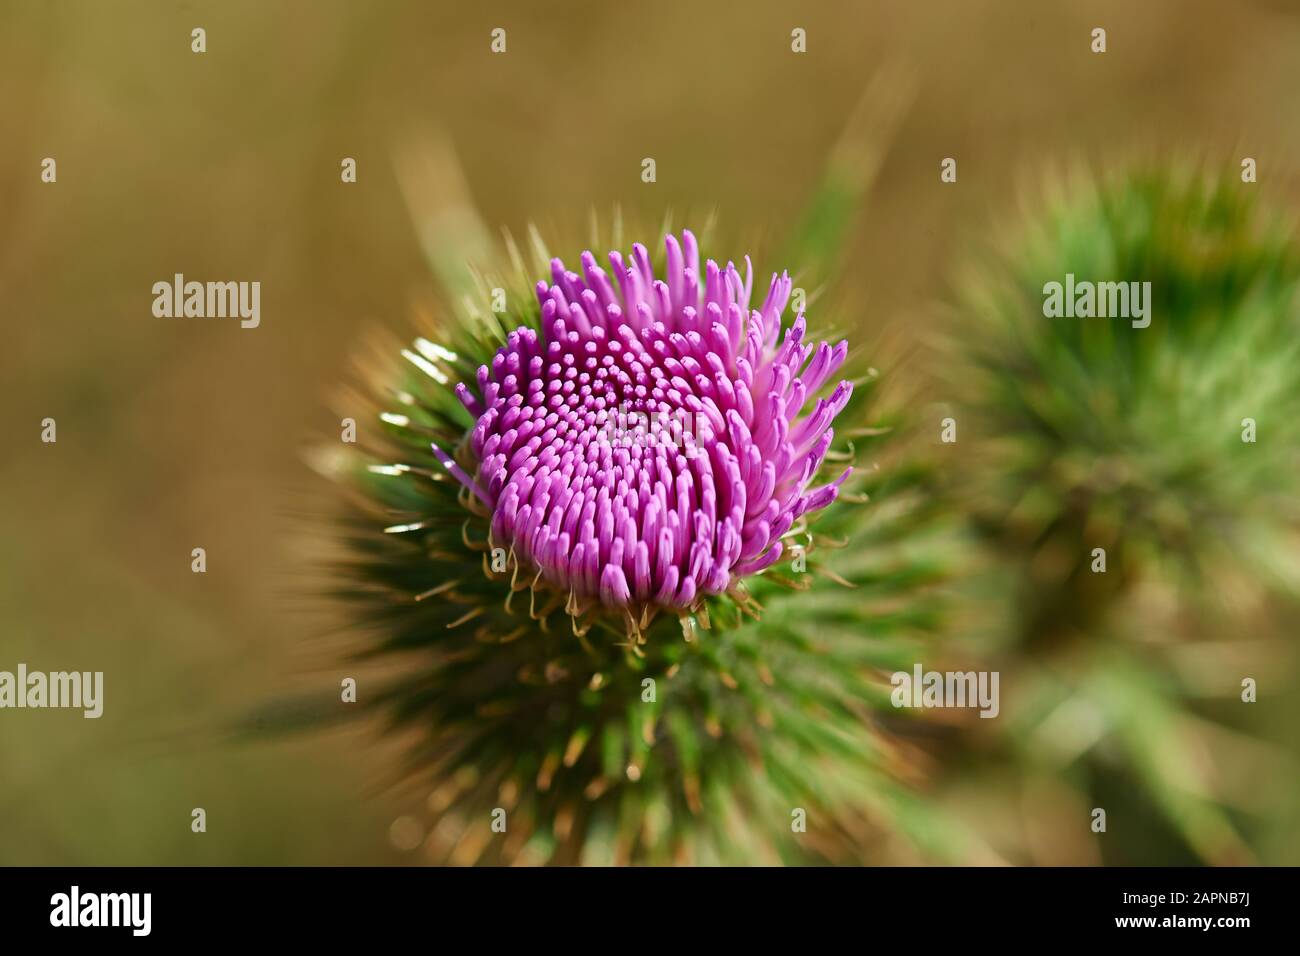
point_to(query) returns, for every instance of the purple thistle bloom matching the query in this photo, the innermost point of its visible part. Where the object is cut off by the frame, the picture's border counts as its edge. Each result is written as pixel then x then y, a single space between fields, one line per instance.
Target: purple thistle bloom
pixel 648 447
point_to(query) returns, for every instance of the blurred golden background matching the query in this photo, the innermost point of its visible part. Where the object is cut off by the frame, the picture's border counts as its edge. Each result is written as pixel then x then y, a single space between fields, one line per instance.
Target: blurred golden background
pixel 225 166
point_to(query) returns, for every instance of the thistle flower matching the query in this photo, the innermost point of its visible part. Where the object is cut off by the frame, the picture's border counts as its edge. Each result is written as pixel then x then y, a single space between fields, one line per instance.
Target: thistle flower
pixel 641 650
pixel 605 530
pixel 650 516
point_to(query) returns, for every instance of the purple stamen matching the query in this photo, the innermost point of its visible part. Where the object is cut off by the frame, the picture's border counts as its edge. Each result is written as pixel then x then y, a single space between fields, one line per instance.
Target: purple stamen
pixel 651 445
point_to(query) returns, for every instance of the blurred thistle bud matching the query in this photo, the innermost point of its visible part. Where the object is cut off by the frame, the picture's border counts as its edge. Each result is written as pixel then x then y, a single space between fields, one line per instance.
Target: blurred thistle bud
pixel 1123 344
pixel 1132 462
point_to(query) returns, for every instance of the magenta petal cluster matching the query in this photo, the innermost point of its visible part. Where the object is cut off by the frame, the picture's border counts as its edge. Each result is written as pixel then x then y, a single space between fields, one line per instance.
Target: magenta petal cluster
pixel 653 442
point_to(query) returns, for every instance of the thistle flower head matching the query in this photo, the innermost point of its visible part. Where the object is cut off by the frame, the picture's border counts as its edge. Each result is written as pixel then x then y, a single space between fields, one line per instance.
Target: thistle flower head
pixel 623 456
pixel 655 438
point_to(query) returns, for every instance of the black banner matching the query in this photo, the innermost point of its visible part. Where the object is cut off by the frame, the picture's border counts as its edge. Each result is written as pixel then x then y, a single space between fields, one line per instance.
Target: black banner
pixel 369 905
